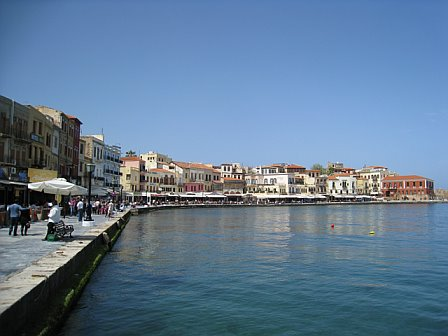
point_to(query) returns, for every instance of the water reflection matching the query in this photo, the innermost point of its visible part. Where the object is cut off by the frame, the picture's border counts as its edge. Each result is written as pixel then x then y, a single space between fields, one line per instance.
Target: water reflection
pixel 273 271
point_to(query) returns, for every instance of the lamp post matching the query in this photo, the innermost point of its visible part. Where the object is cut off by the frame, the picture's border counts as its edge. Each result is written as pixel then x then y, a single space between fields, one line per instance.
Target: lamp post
pixel 90 170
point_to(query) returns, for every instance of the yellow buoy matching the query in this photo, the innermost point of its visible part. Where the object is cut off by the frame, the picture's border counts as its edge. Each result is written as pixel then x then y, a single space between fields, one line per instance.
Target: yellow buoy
pixel 372 232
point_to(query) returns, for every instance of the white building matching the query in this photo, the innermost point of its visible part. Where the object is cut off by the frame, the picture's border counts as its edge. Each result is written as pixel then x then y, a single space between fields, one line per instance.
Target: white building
pixel 374 176
pixel 232 170
pixel 112 164
pixel 341 184
pixel 155 160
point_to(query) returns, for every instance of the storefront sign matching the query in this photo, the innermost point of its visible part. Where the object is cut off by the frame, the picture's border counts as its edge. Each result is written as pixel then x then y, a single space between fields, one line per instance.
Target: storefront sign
pixel 39 175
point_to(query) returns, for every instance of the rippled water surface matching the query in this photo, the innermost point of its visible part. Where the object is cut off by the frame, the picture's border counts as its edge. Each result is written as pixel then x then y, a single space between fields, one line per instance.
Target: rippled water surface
pixel 273 271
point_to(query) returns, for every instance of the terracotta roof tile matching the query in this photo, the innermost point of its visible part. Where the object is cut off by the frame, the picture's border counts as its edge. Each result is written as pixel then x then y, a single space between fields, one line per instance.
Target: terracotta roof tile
pixel 160 170
pixel 130 158
pixel 404 177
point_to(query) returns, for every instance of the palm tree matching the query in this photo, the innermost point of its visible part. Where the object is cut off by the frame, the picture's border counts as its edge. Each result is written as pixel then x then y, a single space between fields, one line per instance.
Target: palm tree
pixel 130 153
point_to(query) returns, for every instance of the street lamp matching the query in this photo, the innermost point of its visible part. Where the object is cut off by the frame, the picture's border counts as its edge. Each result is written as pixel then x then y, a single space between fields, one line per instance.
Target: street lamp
pixel 90 169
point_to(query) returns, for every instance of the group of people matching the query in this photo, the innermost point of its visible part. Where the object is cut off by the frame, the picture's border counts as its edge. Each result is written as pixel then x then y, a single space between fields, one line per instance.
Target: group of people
pixel 79 207
pixel 18 214
pixel 21 215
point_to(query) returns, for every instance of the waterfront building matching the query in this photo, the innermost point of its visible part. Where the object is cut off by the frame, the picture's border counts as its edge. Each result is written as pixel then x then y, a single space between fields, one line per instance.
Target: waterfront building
pixel 232 170
pixel 41 129
pixel 14 150
pixel 82 168
pixel 334 167
pixel 94 153
pixel 132 169
pixel 341 184
pixel 272 179
pixel 155 160
pixel 162 181
pixel 408 187
pixel 69 137
pixel 374 176
pixel 311 180
pixel 112 154
pixel 194 177
pixel 292 168
pixel 233 186
pixel 362 186
pixel 14 140
pixel 321 184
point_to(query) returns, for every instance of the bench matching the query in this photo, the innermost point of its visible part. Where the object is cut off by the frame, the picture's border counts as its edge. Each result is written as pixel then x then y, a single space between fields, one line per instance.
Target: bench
pixel 60 229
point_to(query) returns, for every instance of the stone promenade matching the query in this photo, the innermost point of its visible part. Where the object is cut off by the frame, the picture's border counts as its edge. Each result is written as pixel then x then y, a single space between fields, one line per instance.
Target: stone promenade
pixel 20 252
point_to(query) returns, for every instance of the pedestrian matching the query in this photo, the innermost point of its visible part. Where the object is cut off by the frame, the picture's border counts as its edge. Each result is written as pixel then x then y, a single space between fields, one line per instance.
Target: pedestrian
pixel 25 221
pixel 72 204
pixel 80 209
pixel 110 209
pixel 97 207
pixel 53 217
pixel 14 215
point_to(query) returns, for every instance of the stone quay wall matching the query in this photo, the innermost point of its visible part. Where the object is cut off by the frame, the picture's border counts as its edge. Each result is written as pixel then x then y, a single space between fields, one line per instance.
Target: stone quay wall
pixel 38 299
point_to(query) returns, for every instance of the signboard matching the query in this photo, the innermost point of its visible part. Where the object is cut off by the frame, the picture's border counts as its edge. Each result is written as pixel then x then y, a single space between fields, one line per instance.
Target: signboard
pixel 39 175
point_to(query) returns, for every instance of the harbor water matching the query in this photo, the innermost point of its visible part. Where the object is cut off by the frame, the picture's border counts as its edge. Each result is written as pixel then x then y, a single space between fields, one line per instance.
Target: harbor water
pixel 378 269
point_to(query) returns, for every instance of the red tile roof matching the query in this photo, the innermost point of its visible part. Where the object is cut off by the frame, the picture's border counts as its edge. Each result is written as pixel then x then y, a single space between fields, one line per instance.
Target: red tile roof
pixel 73 117
pixel 160 170
pixel 192 165
pixel 131 158
pixel 404 177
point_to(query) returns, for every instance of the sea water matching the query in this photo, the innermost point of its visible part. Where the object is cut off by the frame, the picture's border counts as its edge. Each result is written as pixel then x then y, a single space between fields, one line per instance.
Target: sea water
pixel 378 270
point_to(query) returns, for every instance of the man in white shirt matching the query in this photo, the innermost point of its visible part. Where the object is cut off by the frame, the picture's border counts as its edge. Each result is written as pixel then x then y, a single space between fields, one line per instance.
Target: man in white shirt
pixel 80 209
pixel 54 217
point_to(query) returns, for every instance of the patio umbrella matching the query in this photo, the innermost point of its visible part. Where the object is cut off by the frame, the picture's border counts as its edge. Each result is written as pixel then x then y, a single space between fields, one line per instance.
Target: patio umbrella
pixel 58 186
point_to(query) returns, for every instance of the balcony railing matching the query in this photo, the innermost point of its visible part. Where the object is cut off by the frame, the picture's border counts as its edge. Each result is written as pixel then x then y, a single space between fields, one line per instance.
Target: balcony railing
pixel 5 128
pixel 21 135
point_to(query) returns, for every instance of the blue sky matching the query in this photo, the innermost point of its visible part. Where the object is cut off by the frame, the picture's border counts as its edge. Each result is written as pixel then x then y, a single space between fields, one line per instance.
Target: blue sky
pixel 363 82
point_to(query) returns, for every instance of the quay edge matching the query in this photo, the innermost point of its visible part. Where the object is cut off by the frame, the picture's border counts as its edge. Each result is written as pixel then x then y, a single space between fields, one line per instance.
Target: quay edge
pixel 146 209
pixel 37 300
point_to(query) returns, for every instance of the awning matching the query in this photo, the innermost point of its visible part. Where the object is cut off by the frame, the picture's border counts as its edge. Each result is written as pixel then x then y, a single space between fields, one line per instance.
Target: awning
pixel 215 196
pixel 13 183
pixel 343 196
pixel 320 196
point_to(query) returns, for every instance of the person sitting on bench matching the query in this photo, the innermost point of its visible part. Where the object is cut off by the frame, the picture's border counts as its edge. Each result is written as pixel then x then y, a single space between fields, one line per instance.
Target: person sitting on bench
pixel 53 217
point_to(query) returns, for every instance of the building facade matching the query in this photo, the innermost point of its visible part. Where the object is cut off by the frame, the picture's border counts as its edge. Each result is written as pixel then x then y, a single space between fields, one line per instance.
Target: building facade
pixel 409 187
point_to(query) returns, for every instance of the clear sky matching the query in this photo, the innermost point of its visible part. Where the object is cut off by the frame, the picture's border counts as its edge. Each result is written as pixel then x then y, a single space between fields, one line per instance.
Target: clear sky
pixel 363 82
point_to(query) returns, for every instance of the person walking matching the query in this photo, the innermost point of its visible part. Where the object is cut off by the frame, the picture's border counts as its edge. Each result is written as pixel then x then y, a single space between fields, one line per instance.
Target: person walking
pixel 25 221
pixel 14 215
pixel 80 209
pixel 53 217
pixel 110 209
pixel 72 204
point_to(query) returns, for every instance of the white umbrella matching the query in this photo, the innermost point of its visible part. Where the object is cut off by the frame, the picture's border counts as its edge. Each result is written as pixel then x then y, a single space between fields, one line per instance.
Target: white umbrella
pixel 58 186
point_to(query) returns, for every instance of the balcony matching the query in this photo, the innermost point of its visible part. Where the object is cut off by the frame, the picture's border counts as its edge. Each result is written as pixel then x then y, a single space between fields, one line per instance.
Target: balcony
pixel 5 129
pixel 21 135
pixel 7 161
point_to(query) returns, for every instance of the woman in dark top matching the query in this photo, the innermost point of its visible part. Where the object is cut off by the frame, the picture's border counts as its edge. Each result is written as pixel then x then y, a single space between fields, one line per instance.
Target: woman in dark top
pixel 25 221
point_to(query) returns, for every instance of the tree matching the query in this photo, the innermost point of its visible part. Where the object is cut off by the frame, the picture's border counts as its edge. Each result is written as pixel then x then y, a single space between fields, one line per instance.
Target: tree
pixel 318 166
pixel 130 153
